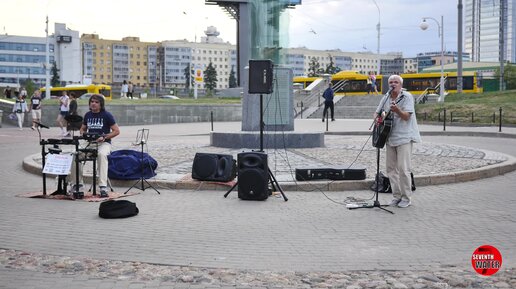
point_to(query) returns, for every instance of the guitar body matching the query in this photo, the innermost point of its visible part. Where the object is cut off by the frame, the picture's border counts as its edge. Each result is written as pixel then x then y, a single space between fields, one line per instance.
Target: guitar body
pixel 382 130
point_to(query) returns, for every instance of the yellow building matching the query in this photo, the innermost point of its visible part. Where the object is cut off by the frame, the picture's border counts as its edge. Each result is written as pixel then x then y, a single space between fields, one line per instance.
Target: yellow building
pixel 113 61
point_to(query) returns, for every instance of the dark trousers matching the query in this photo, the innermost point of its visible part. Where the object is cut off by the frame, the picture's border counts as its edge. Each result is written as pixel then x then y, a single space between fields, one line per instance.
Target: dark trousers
pixel 328 104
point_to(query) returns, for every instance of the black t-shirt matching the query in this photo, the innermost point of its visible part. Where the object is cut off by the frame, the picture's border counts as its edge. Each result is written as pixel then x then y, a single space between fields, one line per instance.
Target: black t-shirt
pixel 36 102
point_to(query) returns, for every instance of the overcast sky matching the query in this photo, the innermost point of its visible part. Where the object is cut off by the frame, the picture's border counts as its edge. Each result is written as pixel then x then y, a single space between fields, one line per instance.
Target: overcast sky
pixel 349 25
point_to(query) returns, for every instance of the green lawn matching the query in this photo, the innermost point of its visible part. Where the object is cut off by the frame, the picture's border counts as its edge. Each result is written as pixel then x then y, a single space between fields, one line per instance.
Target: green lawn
pixel 480 107
pixel 182 101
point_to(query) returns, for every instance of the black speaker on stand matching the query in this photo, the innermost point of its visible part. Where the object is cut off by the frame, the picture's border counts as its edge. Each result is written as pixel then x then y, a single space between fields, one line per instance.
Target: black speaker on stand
pixel 260 76
pixel 254 174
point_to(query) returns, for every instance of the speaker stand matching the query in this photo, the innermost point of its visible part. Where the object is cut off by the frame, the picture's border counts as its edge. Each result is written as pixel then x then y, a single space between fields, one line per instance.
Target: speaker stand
pixel 272 180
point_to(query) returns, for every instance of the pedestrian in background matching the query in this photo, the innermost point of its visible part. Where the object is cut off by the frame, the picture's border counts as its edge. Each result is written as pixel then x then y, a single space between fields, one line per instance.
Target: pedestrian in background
pixel 124 90
pixel 64 102
pixel 328 95
pixel 130 89
pixel 20 108
pixel 7 92
pixel 35 107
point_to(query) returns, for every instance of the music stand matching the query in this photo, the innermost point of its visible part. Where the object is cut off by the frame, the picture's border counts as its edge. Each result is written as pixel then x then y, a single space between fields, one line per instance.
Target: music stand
pixel 142 136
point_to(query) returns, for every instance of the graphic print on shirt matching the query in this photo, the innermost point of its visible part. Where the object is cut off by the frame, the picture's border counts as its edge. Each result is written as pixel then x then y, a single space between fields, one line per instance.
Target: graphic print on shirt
pixel 95 123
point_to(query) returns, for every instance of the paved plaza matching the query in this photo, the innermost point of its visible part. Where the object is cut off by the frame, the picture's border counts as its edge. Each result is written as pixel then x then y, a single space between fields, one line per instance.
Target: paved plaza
pixel 195 238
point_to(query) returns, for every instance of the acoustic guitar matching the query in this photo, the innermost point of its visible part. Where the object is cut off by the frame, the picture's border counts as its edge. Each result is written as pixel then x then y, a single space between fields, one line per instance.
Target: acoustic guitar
pixel 383 127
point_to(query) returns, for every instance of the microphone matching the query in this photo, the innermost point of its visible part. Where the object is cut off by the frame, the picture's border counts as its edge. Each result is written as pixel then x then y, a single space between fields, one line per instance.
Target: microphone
pixel 391 88
pixel 40 124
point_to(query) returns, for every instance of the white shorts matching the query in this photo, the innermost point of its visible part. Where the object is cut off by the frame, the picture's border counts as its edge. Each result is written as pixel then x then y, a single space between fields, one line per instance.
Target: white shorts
pixel 36 113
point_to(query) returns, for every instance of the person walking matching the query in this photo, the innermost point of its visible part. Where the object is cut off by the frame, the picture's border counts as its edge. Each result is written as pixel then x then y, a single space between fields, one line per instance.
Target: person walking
pixel 64 102
pixel 374 87
pixel 7 92
pixel 20 108
pixel 404 132
pixel 369 84
pixel 130 89
pixel 73 125
pixel 124 89
pixel 328 96
pixel 35 108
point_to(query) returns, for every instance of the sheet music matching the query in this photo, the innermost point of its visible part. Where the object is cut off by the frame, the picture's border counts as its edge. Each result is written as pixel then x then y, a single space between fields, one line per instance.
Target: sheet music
pixel 58 164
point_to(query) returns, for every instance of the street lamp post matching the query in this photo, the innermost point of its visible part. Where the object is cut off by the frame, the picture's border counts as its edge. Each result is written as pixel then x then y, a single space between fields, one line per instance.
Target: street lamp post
pixel 424 26
pixel 378 46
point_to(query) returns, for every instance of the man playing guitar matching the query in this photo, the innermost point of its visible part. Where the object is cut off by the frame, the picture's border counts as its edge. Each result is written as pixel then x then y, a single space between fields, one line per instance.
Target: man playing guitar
pixel 399 104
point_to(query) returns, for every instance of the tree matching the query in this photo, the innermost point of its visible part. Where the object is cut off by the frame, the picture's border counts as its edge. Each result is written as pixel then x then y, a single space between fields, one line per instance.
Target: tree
pixel 313 67
pixel 210 78
pixel 330 68
pixel 232 78
pixel 509 75
pixel 55 81
pixel 30 86
pixel 188 76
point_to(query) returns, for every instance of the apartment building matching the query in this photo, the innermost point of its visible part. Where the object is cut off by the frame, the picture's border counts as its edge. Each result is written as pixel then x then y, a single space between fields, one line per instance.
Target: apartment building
pixel 113 61
pixel 24 57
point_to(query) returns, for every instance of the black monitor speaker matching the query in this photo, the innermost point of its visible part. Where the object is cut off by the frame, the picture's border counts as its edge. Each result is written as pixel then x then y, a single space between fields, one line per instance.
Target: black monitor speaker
pixel 260 76
pixel 213 167
pixel 253 176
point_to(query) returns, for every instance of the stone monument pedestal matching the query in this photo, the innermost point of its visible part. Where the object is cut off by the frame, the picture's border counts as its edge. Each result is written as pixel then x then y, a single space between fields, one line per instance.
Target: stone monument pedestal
pixel 271 140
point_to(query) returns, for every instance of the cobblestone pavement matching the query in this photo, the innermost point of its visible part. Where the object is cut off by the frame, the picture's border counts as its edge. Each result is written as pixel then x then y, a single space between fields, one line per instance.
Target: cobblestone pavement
pixel 198 239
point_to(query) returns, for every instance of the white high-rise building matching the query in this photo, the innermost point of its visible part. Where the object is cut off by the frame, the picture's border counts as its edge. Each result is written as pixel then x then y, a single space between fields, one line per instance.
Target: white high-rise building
pixel 24 57
pixel 482 29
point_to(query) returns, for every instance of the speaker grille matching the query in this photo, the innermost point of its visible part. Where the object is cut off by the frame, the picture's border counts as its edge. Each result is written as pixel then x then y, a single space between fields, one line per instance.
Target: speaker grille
pixel 213 167
pixel 253 176
pixel 260 76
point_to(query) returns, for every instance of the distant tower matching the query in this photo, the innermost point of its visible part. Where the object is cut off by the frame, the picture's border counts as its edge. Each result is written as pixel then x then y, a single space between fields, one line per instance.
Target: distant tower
pixel 483 27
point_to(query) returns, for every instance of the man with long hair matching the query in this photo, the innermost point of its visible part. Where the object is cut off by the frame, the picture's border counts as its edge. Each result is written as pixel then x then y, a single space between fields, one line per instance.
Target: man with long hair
pixel 100 124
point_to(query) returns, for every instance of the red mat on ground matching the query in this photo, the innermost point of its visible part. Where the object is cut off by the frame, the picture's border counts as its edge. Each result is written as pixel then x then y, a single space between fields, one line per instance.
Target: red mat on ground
pixel 88 196
pixel 188 178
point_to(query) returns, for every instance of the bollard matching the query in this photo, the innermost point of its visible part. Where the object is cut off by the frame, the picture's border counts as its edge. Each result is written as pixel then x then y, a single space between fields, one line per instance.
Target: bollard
pixel 327 115
pixel 301 109
pixel 444 122
pixel 500 124
pixel 211 120
pixel 472 117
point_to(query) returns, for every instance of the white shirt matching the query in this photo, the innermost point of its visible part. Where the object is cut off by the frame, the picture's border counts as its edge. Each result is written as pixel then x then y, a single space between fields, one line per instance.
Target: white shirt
pixel 403 131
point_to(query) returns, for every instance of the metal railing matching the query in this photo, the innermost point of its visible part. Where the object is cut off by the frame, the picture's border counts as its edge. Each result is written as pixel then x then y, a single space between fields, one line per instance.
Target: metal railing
pixel 499 118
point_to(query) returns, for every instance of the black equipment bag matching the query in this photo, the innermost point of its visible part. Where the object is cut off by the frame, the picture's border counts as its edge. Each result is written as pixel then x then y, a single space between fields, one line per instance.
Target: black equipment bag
pixel 117 209
pixel 385 184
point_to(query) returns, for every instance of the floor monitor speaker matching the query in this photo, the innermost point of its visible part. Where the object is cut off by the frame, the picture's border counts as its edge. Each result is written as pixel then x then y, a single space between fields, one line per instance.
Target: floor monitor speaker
pixel 253 176
pixel 213 167
pixel 260 76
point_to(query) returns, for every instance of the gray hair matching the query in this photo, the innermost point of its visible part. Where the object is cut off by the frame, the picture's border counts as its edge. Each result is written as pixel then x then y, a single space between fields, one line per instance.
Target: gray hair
pixel 397 77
